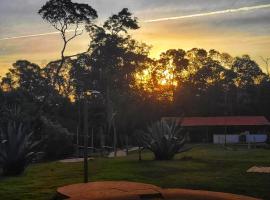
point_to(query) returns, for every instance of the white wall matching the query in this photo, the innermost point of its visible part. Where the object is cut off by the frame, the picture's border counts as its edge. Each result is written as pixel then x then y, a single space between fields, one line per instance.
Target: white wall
pixel 233 139
pixel 220 139
pixel 256 138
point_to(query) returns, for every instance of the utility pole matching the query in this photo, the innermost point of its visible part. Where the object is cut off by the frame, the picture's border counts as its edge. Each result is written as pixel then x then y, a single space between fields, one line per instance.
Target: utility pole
pixel 85 132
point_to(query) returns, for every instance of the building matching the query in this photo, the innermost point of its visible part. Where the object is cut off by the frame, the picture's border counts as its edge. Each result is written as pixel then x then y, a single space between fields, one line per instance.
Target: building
pixel 226 129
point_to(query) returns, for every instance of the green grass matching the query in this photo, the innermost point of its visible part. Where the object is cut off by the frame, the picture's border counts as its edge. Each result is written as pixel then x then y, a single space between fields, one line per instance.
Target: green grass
pixel 206 167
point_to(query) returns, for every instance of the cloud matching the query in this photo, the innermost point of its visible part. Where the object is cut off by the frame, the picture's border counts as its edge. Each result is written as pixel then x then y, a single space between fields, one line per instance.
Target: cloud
pixel 205 14
pixel 238 33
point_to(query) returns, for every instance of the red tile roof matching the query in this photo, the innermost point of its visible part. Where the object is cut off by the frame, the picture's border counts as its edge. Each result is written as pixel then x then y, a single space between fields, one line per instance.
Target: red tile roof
pixel 224 121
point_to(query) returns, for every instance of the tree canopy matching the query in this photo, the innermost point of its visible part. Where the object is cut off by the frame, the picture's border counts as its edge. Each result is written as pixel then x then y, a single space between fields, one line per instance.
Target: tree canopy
pixel 127 88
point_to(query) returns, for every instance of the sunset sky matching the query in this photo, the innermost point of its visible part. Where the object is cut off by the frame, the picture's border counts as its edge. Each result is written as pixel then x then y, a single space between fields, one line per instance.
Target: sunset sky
pixel 234 26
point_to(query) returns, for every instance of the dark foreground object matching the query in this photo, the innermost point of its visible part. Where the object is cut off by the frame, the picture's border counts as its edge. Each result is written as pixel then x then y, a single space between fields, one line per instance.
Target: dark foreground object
pixel 137 191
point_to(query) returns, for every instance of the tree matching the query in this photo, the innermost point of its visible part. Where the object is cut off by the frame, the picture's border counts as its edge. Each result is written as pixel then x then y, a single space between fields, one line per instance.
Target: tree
pixel 224 59
pixel 108 54
pixel 29 78
pixel 63 15
pixel 121 22
pixel 248 71
pixel 197 58
pixel 29 85
pixel 172 65
pixel 7 82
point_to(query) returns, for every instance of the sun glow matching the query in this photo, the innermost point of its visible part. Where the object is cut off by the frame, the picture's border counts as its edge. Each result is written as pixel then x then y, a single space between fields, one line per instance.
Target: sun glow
pixel 167 78
pixel 156 78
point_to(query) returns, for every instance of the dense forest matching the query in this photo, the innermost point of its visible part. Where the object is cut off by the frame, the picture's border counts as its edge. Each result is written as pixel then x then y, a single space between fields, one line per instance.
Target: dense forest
pixel 124 87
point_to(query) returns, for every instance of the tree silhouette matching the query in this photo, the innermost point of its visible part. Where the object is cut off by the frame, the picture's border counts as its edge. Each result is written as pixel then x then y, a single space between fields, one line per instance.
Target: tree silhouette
pixel 129 89
pixel 109 50
pixel 63 15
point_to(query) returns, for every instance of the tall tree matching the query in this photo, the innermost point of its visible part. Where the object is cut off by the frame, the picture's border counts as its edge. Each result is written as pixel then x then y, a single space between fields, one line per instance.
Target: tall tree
pixel 108 53
pixel 64 15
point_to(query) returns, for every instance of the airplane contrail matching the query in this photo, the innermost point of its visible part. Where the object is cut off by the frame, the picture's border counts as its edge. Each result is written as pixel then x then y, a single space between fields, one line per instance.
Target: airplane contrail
pixel 159 20
pixel 210 13
pixel 35 35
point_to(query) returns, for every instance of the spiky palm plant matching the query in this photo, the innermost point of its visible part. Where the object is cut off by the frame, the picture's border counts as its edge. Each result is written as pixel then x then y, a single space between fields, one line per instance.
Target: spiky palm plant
pixel 18 149
pixel 164 139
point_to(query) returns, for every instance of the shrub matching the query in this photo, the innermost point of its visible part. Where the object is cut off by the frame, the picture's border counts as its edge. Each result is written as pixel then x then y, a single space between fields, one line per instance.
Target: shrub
pixel 58 143
pixel 164 139
pixel 17 150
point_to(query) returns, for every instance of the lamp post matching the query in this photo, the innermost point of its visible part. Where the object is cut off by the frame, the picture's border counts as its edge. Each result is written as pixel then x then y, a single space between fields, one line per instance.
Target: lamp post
pixel 85 132
pixel 86 99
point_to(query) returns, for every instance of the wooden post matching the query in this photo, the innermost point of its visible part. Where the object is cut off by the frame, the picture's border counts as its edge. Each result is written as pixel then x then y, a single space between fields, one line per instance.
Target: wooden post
pixel 102 140
pixel 85 131
pixel 140 153
pixel 114 140
pixel 207 135
pixel 127 143
pixel 225 136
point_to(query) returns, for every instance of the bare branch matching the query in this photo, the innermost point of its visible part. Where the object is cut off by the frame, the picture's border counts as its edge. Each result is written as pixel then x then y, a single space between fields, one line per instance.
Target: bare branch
pixel 66 57
pixel 267 62
pixel 76 33
pixel 56 27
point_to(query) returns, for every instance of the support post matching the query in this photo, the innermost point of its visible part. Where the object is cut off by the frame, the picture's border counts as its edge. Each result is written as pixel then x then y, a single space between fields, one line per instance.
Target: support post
pixel 102 140
pixel 140 153
pixel 127 143
pixel 225 136
pixel 114 140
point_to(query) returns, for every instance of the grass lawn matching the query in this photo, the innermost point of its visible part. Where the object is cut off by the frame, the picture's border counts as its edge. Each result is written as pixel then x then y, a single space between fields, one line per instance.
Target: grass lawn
pixel 206 167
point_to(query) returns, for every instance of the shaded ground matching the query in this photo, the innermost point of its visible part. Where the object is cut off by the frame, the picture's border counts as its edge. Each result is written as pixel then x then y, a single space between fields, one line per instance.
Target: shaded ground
pixel 208 167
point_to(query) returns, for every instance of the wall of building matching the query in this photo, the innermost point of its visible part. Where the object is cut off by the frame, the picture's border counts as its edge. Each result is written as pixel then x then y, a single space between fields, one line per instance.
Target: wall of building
pixel 234 139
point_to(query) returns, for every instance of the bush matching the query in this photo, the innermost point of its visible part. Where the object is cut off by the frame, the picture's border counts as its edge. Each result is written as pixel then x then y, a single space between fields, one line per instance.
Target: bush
pixel 17 149
pixel 58 142
pixel 164 139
